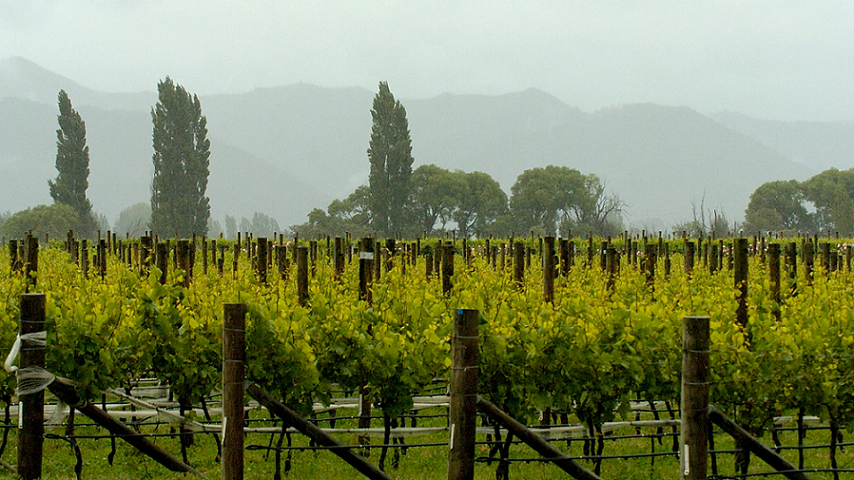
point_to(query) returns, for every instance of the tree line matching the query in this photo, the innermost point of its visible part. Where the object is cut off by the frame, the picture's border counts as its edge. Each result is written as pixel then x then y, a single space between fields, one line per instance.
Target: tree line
pixel 397 201
pixel 824 203
pixel 400 201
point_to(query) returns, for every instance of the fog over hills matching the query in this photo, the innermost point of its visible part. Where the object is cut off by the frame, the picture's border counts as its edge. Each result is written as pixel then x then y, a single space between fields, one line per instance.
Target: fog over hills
pixel 283 151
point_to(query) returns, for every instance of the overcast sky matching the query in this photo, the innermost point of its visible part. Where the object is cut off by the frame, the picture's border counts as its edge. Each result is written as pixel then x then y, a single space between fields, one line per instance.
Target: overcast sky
pixel 772 59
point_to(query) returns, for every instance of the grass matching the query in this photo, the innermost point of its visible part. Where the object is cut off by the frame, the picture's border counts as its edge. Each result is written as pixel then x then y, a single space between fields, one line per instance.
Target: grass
pixel 419 463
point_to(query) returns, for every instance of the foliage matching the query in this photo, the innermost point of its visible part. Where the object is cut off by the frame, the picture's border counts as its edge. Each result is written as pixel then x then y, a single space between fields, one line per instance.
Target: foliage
pixel 390 155
pixel 544 199
pixel 478 204
pixel 55 220
pixel 179 206
pixel 134 220
pixel 230 227
pixel 435 192
pixel 351 215
pixel 778 206
pixel 72 163
pixel 832 193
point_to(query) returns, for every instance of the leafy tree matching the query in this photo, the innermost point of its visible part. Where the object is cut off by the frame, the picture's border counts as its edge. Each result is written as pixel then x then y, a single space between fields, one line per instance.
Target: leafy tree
pixel 245 225
pixel 390 154
pixel 264 226
pixel 777 206
pixel 354 211
pixel 55 220
pixel 546 198
pixel 435 192
pixel 72 163
pixel 596 211
pixel 543 197
pixel 478 204
pixel 214 228
pixel 832 193
pixel 349 215
pixel 181 160
pixel 134 220
pixel 230 227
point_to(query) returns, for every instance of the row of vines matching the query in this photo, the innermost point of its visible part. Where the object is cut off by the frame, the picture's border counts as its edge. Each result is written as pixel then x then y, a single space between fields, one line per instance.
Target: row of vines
pixel 600 343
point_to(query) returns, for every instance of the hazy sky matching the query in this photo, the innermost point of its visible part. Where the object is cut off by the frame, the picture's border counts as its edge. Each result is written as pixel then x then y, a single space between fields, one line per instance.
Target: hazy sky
pixel 772 59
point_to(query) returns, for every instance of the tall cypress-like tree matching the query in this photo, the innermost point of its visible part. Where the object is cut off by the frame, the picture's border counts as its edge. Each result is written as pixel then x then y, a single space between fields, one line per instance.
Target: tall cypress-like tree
pixel 390 153
pixel 72 163
pixel 181 160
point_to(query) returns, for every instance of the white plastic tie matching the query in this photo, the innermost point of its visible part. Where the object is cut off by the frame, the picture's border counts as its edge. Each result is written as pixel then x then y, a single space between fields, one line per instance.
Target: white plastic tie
pixel 35 339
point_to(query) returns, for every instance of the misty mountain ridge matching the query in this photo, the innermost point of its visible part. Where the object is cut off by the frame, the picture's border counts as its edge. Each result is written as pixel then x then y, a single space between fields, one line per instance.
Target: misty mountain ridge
pixel 285 150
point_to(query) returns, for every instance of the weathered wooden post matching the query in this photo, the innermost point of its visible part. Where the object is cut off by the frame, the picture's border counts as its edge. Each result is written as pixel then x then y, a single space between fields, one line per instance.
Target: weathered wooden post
pixel 233 358
pixel 302 275
pixel 31 431
pixel 465 358
pixel 447 269
pixel 740 268
pixel 339 258
pixel 519 264
pixel 774 276
pixel 650 260
pixel 102 258
pixel 261 259
pixel 695 397
pixel 549 269
pixel 689 258
pixel 84 257
pixel 163 260
pixel 31 269
pixel 366 259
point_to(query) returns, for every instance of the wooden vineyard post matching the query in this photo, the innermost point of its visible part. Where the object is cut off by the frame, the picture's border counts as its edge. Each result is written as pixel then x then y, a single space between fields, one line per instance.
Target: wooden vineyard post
pixel 650 260
pixel 102 258
pixel 183 253
pixel 233 358
pixel 774 276
pixel 366 259
pixel 792 263
pixel 31 432
pixel 563 248
pixel 612 263
pixel 549 269
pixel 695 397
pixel 145 254
pixel 13 256
pixel 84 257
pixel 809 259
pixel 302 275
pixel 666 261
pixel 204 254
pixel 447 269
pixel 31 268
pixel 163 260
pixel 261 260
pixel 465 357
pixel 740 278
pixel 689 258
pixel 339 258
pixel 235 258
pixel 519 264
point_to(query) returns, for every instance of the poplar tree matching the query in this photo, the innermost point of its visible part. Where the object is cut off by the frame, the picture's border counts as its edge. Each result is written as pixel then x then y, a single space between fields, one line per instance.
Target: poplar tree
pixel 181 164
pixel 72 163
pixel 390 154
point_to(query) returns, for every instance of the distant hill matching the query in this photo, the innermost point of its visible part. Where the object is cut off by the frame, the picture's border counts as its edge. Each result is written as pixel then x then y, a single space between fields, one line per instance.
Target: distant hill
pixel 286 150
pixel 819 145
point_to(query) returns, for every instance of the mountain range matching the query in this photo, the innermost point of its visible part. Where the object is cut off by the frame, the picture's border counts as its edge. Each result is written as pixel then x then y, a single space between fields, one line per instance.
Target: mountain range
pixel 284 151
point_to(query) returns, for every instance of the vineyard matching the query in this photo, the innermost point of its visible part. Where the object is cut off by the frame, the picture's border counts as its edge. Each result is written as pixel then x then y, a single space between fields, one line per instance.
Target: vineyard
pixel 583 332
